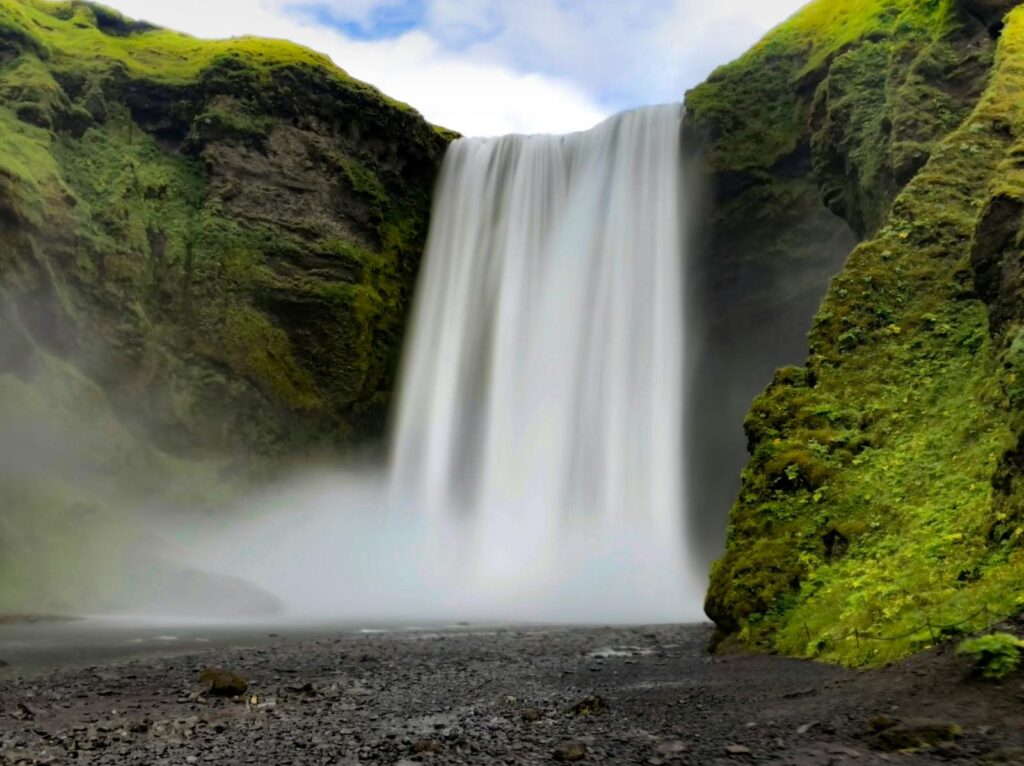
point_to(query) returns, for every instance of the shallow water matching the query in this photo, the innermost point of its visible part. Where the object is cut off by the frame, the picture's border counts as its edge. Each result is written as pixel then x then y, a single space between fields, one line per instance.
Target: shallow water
pixel 32 647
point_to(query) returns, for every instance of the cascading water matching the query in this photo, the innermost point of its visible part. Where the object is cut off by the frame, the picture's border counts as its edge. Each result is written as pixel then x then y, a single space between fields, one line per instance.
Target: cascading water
pixel 537 454
pixel 541 399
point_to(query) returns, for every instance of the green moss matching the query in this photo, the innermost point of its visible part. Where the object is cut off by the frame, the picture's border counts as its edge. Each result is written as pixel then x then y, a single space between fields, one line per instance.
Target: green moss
pixel 257 349
pixel 903 415
pixel 29 179
pixel 867 86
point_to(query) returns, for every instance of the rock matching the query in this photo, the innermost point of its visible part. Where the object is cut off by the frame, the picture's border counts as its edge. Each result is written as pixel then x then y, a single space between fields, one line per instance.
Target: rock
pixel 843 750
pixel 428 746
pixel 593 704
pixel 737 750
pixel 222 683
pixel 674 747
pixel 989 11
pixel 1012 755
pixel 532 714
pixel 916 733
pixel 23 712
pixel 881 723
pixel 569 752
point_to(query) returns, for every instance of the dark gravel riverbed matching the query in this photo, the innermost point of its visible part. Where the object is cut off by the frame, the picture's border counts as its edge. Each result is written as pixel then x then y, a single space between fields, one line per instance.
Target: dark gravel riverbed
pixel 505 696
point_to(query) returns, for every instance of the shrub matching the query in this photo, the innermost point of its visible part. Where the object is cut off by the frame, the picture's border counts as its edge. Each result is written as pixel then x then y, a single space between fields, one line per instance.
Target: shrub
pixel 995 656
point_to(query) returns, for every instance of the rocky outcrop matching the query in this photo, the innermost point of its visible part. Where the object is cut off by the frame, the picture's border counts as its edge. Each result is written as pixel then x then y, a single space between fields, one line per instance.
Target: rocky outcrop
pixel 207 253
pixel 222 235
pixel 864 525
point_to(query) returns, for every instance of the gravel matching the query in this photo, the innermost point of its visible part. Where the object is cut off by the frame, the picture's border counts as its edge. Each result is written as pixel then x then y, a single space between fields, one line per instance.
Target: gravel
pixel 506 696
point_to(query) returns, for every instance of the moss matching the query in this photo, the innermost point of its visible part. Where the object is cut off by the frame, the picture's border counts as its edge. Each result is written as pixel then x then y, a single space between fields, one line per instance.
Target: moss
pixel 256 348
pixel 904 372
pixel 220 237
pixel 868 86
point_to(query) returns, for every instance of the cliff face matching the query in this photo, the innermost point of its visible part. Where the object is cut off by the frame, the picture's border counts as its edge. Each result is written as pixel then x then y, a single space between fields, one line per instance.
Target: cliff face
pixel 880 506
pixel 207 250
pixel 223 236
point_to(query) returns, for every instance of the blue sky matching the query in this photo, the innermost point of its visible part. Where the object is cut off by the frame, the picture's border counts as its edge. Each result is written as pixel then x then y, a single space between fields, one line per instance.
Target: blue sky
pixel 485 67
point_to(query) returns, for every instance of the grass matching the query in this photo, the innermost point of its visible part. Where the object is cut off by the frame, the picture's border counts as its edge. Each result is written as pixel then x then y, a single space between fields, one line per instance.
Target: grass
pixel 78 35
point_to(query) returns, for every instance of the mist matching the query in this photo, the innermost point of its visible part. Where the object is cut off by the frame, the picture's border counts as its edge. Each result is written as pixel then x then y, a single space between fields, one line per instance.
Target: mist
pixel 337 547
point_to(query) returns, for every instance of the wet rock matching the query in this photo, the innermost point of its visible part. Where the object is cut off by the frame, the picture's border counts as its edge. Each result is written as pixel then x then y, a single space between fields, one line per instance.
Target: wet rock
pixel 989 11
pixel 881 723
pixel 915 733
pixel 593 704
pixel 569 752
pixel 532 714
pixel 222 683
pixel 675 747
pixel 1012 755
pixel 428 746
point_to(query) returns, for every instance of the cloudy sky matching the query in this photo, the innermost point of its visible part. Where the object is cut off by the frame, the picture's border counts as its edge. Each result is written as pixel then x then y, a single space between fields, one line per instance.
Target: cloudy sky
pixel 486 67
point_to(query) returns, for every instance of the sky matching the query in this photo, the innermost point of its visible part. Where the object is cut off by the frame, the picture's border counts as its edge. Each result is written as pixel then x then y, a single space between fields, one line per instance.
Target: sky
pixel 490 67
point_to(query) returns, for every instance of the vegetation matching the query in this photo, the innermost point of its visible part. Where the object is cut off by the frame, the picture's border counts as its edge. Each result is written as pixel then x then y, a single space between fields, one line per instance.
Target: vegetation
pixel 995 655
pixel 217 240
pixel 864 527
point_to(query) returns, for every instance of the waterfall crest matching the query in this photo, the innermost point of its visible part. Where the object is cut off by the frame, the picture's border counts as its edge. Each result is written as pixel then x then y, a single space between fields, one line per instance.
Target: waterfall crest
pixel 541 398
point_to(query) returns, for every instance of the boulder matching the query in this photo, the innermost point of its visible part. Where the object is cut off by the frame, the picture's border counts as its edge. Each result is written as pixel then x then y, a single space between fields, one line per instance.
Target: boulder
pixel 912 734
pixel 222 683
pixel 569 752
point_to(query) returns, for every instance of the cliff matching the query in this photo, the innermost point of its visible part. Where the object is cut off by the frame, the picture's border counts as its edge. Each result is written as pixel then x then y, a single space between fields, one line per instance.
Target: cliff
pixel 880 507
pixel 207 251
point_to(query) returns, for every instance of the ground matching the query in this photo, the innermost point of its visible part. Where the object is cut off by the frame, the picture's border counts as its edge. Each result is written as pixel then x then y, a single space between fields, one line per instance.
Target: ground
pixel 510 695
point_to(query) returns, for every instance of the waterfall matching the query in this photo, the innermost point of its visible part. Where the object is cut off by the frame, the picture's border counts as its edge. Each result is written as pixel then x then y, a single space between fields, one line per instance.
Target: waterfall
pixel 537 453
pixel 541 398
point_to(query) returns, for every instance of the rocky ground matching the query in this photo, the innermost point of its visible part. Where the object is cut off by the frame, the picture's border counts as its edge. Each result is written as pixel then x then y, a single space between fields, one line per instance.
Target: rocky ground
pixel 509 696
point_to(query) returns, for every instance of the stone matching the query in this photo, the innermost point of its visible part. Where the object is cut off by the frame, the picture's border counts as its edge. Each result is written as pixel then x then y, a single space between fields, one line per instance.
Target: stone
pixel 592 704
pixel 737 750
pixel 223 683
pixel 674 747
pixel 916 733
pixel 569 752
pixel 428 746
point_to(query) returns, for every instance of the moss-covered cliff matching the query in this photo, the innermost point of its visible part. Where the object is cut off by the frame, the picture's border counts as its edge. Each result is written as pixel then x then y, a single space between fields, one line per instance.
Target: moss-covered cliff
pixel 207 250
pixel 881 506
pixel 222 234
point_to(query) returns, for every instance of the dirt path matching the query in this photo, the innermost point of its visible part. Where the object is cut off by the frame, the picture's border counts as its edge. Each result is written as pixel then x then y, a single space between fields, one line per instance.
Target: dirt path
pixel 649 696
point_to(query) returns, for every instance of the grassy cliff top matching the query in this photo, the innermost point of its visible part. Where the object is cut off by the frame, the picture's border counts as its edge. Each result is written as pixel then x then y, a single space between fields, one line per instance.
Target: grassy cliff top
pixel 756 108
pixel 77 34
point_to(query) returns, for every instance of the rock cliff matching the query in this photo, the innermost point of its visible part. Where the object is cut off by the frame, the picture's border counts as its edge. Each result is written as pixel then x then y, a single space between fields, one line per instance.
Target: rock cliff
pixel 880 507
pixel 207 251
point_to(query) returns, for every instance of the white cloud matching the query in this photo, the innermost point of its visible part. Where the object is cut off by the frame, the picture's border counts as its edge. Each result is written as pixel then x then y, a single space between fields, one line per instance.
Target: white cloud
pixel 485 67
